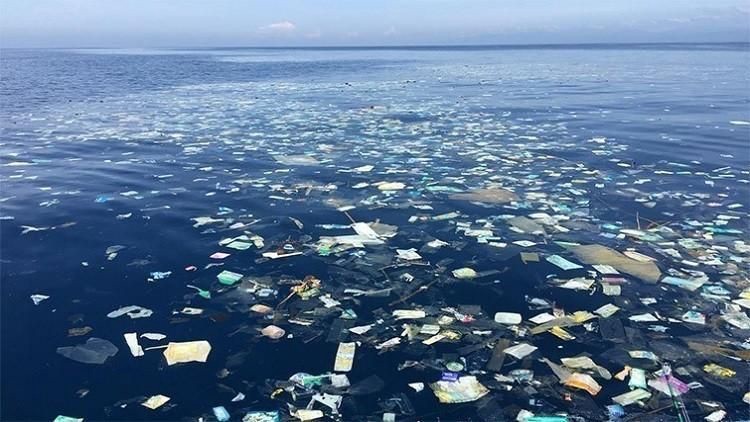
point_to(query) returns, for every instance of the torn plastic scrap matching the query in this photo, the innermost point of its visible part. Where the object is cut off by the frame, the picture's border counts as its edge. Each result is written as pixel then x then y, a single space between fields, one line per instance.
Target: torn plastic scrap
pixel 634 396
pixel 526 225
pixel 133 311
pixel 561 333
pixel 560 371
pixel 583 382
pixel 643 354
pixel 607 310
pixel 585 362
pixel 719 370
pixel 519 351
pixel 94 351
pixel 364 229
pixel 464 273
pixel 409 314
pixel 408 254
pixel 132 340
pixel 332 401
pixel 262 416
pixel 190 351
pixel 154 336
pixel 716 416
pixel 417 386
pixel 202 221
pixel 598 254
pixel 509 318
pixel 465 389
pixel 277 255
pixel 228 277
pixel 345 357
pixel 562 263
pixel 546 419
pixel 307 415
pixel 221 414
pixel 737 319
pixel 62 418
pixel 273 332
pixel 394 341
pixel 495 195
pixel 390 186
pixel 296 160
pixel 690 285
pixel 155 402
pixel 576 318
pixel 669 385
pixel 637 378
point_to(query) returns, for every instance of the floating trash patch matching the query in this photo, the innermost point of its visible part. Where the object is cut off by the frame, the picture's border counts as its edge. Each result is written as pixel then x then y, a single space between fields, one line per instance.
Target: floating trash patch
pixel 385 249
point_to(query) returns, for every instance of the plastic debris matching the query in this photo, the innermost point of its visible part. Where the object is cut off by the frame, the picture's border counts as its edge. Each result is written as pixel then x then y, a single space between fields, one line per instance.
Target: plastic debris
pixel 562 263
pixel 345 357
pixel 509 318
pixel 602 255
pixel 520 351
pixel 417 386
pixel 94 351
pixel 585 362
pixel 61 418
pixel 391 186
pixel 221 414
pixel 262 416
pixel 308 415
pixel 191 351
pixel 132 341
pixel 716 416
pixel 155 402
pixel 501 258
pixel 464 273
pixel 154 336
pixel 465 389
pixel 493 195
pixel 408 314
pixel 132 311
pixel 228 277
pixel 631 397
pixel 273 332
pixel 584 382
pixel 719 371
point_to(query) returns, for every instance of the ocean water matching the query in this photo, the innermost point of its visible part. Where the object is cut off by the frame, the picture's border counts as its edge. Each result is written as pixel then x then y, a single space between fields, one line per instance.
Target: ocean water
pixel 127 147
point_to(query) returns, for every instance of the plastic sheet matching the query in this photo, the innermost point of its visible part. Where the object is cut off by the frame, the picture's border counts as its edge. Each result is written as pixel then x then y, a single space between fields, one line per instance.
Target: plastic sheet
pixel 94 351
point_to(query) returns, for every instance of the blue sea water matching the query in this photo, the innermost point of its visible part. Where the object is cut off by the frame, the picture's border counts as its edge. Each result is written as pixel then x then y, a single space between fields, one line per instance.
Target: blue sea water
pixel 125 147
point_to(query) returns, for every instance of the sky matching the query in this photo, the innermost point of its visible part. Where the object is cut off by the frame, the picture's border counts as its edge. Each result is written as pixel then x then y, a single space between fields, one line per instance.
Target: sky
pixel 231 23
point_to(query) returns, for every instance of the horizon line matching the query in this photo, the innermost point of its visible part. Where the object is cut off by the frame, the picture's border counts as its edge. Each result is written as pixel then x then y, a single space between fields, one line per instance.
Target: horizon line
pixel 394 46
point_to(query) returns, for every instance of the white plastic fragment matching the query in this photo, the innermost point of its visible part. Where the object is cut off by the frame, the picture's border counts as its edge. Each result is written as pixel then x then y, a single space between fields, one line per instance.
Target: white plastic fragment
pixel 345 357
pixel 509 318
pixel 155 402
pixel 520 351
pixel 132 311
pixel 132 340
pixel 153 336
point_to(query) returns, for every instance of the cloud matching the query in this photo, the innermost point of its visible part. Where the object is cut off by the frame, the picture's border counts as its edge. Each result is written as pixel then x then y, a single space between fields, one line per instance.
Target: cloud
pixel 284 27
pixel 390 31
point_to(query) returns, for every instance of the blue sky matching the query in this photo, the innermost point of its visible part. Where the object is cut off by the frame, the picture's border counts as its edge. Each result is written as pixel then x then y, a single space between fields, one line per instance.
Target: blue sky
pixel 200 23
